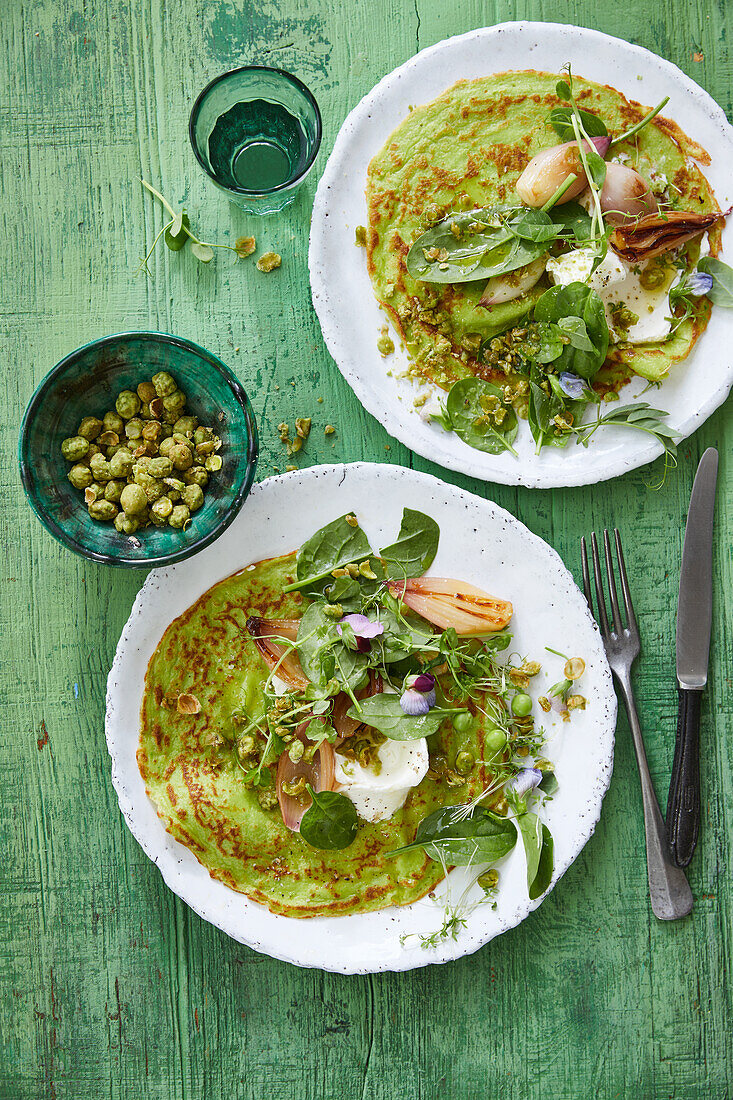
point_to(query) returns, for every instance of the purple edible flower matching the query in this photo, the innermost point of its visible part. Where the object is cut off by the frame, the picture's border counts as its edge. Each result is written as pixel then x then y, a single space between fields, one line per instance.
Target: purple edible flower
pixel 419 694
pixel 572 386
pixel 699 283
pixel 362 626
pixel 524 781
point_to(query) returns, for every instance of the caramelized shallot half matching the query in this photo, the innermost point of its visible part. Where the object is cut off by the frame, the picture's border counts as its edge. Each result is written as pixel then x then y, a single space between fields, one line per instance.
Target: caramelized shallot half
pixel 319 772
pixel 661 232
pixel 345 726
pixel 448 603
pixel 505 288
pixel 626 195
pixel 549 169
pixel 283 662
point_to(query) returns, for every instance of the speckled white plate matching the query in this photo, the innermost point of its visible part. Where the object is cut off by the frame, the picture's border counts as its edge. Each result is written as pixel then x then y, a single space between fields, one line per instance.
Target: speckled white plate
pixel 480 543
pixel 342 291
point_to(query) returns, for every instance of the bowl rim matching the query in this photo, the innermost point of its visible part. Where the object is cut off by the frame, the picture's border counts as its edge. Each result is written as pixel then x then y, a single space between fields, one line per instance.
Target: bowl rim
pixel 301 87
pixel 189 549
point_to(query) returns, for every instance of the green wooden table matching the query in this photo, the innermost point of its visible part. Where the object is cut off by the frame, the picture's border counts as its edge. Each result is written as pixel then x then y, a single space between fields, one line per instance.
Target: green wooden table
pixel 109 985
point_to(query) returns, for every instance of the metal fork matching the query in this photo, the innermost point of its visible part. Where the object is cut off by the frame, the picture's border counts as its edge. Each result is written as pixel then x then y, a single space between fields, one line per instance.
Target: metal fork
pixel 669 889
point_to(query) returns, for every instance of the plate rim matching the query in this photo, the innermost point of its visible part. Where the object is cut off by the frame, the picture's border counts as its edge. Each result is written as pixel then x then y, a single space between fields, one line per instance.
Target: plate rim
pixel 450 950
pixel 463 460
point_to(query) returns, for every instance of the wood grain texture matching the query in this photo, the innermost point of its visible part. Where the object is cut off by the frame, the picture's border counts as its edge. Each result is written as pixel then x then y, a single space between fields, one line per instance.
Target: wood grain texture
pixel 110 986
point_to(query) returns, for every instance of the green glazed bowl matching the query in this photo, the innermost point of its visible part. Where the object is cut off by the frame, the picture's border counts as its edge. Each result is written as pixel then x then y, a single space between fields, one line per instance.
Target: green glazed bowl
pixel 86 383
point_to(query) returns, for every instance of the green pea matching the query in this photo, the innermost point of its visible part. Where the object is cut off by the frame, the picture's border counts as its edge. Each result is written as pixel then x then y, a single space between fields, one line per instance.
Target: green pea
pixel 163 384
pixel 93 450
pixel 96 489
pixel 203 435
pixel 464 763
pixel 142 464
pixel 494 741
pixel 462 722
pixel 174 403
pixel 80 477
pixel 146 392
pixel 165 446
pixel 134 428
pixel 522 705
pixel 213 463
pixel 113 422
pixel 133 500
pixel 185 424
pixel 90 427
pixel 193 496
pixel 126 525
pixel 160 466
pixel 161 509
pixel 152 431
pixel 75 448
pixel 196 475
pixel 127 404
pixel 102 510
pixel 206 448
pixel 100 467
pixel 121 462
pixel 113 490
pixel 181 456
pixel 180 516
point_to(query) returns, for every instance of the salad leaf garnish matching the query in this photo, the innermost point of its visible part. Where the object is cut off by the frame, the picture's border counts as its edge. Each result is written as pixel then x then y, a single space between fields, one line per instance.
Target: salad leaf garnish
pixel 330 822
pixel 721 292
pixel 470 410
pixel 384 713
pixel 538 847
pixel 415 547
pixel 337 544
pixel 482 837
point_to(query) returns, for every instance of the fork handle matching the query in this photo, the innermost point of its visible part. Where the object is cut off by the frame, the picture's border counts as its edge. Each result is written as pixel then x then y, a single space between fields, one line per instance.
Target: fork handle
pixel 669 890
pixel 683 801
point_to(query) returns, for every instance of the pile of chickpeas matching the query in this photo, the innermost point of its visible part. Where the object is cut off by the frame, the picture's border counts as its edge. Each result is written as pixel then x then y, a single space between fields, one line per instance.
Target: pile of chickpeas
pixel 146 462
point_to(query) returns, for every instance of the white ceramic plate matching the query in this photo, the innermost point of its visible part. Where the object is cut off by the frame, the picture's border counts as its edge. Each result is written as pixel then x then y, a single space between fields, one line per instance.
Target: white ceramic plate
pixel 342 291
pixel 480 543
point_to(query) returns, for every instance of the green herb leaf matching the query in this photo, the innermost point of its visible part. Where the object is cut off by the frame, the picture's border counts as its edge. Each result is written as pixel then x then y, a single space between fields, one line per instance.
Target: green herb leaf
pixel 548 783
pixel 477 244
pixel 560 118
pixel 324 655
pixel 577 300
pixel 573 221
pixel 202 252
pixel 333 546
pixel 330 822
pixel 469 408
pixel 415 547
pixel 538 846
pixel 384 713
pixel 574 328
pixel 176 236
pixel 721 292
pixel 482 837
pixel 562 89
pixel 533 225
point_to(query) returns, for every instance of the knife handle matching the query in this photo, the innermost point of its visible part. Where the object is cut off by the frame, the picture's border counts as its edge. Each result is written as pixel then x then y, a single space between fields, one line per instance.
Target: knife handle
pixel 683 802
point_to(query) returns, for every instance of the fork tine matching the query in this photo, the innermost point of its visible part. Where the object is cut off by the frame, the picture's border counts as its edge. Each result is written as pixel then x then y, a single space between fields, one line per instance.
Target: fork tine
pixel 600 596
pixel 630 616
pixel 586 574
pixel 617 625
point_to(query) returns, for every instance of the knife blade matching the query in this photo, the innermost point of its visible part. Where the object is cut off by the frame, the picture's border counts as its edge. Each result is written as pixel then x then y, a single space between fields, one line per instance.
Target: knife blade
pixel 694 622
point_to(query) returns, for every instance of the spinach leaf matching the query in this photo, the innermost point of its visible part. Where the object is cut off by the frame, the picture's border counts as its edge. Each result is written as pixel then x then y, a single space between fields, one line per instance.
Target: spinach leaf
pixel 574 328
pixel 532 225
pixel 721 292
pixel 385 714
pixel 403 634
pixel 481 838
pixel 577 300
pixel 468 408
pixel 560 120
pixel 323 654
pixel 538 847
pixel 330 822
pixel 572 220
pixel 335 545
pixel 547 344
pixel 415 547
pixel 346 591
pixel 478 244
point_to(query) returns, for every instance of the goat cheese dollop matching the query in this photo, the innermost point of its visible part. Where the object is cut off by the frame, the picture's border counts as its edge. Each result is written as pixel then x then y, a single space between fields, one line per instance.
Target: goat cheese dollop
pixel 377 795
pixel 619 288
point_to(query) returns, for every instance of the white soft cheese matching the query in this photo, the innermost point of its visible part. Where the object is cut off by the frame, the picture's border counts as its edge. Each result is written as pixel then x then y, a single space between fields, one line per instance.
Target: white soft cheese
pixel 377 797
pixel 279 686
pixel 615 282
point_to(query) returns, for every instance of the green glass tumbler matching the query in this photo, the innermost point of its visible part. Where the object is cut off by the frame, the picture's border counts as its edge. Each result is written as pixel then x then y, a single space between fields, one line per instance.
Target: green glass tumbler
pixel 256 132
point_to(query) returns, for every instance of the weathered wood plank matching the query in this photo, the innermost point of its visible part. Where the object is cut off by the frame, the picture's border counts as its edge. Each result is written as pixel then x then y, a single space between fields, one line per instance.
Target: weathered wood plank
pixel 110 985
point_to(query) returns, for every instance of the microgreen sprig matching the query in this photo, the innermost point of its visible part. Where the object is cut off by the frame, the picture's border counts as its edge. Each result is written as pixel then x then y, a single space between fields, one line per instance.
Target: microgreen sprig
pixel 177 233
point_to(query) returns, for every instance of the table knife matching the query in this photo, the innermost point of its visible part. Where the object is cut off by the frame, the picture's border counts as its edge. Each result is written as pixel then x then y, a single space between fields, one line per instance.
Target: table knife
pixel 694 617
